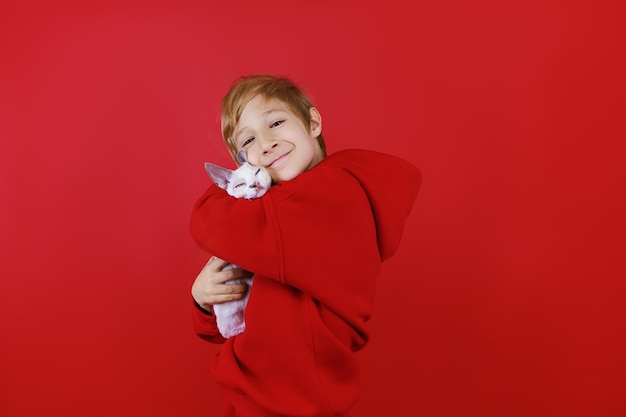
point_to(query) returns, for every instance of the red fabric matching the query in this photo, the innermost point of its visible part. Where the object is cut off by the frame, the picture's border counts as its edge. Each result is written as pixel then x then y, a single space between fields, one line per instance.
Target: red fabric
pixel 315 245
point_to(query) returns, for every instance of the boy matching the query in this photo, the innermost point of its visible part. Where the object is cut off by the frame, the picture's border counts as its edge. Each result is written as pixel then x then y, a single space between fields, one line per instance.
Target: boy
pixel 314 242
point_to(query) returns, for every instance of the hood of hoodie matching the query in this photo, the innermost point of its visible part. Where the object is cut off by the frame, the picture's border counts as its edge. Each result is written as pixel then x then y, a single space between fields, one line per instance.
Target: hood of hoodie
pixel 391 185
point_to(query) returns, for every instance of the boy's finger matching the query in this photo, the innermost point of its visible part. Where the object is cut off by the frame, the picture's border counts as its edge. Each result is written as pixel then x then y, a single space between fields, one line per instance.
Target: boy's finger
pixel 224 298
pixel 216 263
pixel 237 273
pixel 228 289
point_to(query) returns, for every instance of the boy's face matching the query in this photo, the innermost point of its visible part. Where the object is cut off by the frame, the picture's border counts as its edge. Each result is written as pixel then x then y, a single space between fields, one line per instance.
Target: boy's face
pixel 274 137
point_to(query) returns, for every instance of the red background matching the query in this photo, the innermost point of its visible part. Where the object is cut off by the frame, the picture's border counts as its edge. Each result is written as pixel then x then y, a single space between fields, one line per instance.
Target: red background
pixel 507 297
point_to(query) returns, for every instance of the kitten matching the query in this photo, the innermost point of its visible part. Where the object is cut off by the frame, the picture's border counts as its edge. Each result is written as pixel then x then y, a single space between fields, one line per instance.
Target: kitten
pixel 246 182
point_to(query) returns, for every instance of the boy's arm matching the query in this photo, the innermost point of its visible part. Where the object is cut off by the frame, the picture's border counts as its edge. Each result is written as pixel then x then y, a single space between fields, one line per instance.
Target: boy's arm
pixel 316 233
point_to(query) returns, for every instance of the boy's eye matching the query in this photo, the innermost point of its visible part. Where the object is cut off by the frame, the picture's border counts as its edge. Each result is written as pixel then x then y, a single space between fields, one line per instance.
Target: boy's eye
pixel 247 142
pixel 277 123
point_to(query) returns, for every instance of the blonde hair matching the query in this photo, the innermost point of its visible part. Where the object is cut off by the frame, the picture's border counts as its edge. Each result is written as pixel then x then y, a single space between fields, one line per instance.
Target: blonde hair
pixel 269 86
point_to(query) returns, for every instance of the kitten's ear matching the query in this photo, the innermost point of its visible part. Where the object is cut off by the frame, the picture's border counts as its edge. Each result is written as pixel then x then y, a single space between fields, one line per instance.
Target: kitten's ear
pixel 219 175
pixel 241 157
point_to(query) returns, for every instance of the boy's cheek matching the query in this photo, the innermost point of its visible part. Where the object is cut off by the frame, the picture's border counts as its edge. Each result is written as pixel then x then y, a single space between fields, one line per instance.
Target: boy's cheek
pixel 253 159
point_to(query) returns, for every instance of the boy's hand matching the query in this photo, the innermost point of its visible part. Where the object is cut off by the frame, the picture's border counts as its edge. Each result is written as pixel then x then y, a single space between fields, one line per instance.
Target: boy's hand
pixel 209 288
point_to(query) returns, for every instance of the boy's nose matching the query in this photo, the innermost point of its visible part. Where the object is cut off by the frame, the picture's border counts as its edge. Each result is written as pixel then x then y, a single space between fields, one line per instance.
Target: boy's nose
pixel 268 143
pixel 268 148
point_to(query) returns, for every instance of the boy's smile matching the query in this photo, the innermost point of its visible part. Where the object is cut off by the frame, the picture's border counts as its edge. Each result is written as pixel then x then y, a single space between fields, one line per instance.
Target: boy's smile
pixel 277 163
pixel 274 137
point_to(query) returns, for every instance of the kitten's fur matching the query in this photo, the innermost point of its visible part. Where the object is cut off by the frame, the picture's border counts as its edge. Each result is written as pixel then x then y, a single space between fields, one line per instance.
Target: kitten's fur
pixel 246 182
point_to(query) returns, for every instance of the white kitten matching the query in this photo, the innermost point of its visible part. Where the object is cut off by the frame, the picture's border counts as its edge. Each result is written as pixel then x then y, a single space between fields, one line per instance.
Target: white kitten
pixel 246 182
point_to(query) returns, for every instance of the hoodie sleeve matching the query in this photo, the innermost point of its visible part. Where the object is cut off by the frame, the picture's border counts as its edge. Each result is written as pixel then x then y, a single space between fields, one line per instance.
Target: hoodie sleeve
pixel 205 325
pixel 317 233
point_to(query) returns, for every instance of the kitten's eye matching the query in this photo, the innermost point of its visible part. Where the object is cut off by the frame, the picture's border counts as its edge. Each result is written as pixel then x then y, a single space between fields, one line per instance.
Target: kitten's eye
pixel 257 171
pixel 277 123
pixel 239 185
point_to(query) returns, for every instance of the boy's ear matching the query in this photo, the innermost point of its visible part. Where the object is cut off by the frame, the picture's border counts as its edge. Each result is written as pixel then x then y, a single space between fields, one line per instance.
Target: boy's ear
pixel 219 175
pixel 316 122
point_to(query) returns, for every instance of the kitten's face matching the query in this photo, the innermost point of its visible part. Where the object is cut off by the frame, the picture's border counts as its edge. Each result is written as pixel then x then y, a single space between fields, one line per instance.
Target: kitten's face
pixel 248 182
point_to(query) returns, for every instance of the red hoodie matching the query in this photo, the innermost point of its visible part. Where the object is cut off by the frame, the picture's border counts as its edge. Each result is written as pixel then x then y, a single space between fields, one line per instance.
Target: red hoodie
pixel 315 245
